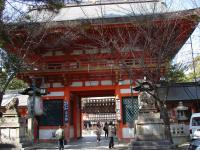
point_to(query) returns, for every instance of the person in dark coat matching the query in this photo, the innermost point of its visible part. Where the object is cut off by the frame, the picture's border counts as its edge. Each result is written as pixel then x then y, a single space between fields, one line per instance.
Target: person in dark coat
pixel 105 128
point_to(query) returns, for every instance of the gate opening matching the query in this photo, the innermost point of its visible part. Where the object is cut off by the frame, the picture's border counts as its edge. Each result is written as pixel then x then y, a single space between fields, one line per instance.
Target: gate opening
pixel 96 110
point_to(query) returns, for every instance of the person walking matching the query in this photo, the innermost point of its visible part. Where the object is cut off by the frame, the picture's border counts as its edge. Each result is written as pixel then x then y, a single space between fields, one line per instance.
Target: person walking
pixel 60 136
pixel 98 131
pixel 105 128
pixel 111 134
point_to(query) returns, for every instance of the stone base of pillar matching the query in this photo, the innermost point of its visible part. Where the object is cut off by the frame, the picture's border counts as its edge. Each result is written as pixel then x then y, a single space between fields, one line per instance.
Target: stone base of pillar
pixel 13 130
pixel 149 129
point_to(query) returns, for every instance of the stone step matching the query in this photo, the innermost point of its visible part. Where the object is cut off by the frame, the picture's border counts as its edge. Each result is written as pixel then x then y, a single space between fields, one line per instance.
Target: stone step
pixel 150 145
pixel 150 148
pixel 29 148
pixel 158 142
pixel 26 144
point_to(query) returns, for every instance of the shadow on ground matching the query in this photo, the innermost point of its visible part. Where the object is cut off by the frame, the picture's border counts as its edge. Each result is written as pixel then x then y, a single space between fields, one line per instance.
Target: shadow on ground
pixel 7 146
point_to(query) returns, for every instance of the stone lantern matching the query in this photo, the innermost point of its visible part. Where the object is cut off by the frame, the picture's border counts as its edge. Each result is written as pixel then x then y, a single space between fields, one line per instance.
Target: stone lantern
pixel 181 112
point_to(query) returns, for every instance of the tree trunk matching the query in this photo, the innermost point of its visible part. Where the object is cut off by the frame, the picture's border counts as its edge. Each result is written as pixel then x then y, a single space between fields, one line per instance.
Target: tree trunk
pixel 5 87
pixel 1 96
pixel 165 117
pixel 2 6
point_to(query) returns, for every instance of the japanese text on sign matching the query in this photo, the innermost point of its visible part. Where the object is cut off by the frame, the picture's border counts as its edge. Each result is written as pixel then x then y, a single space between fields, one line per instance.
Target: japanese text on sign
pixel 66 111
pixel 118 110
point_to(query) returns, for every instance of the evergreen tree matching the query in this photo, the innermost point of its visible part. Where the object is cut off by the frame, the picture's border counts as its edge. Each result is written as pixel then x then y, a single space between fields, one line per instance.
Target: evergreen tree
pixel 176 73
pixel 194 70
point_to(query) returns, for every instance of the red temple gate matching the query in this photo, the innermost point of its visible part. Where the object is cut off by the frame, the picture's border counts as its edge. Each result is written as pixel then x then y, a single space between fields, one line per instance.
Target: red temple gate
pixel 95 59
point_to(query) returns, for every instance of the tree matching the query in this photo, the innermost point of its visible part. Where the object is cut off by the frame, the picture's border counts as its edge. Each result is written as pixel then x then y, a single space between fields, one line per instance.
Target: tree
pixel 194 68
pixel 16 84
pixel 176 73
pixel 53 5
pixel 13 63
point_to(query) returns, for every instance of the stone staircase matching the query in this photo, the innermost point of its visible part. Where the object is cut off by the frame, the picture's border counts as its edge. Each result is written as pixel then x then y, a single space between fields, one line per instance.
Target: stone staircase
pixel 150 145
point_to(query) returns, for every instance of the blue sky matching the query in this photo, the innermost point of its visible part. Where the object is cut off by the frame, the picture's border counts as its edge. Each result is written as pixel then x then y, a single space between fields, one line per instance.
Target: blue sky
pixel 192 45
pixel 182 4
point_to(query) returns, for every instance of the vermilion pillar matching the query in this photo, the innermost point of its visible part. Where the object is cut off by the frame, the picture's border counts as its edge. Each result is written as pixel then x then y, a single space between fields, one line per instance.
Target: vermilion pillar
pixel 66 124
pixel 75 117
pixel 119 122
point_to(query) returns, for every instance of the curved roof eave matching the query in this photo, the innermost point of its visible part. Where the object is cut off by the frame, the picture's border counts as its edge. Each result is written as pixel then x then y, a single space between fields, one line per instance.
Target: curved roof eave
pixel 97 11
pixel 193 14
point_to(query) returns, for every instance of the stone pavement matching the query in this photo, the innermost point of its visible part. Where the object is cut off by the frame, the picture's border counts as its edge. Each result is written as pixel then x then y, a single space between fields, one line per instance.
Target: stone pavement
pixel 85 143
pixel 88 142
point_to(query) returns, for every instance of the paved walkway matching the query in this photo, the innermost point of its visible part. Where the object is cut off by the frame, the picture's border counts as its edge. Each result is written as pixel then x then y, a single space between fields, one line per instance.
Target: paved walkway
pixel 84 143
pixel 87 142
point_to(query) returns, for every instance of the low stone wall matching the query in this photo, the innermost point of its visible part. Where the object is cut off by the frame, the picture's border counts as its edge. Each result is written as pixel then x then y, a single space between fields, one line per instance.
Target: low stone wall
pixel 13 130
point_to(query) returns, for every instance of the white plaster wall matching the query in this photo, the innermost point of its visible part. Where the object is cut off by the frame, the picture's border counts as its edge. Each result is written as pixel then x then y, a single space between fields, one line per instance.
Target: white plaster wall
pixel 47 134
pixel 124 82
pixel 128 133
pixel 56 94
pixel 58 85
pixel 76 84
pixel 127 91
pixel 106 82
pixel 94 51
pixel 59 53
pixel 91 83
pixel 105 51
pixel 77 52
pixel 124 91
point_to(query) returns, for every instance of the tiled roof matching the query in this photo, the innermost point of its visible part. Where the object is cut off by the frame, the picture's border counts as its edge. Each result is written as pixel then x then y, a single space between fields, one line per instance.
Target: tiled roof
pixel 81 12
pixel 178 92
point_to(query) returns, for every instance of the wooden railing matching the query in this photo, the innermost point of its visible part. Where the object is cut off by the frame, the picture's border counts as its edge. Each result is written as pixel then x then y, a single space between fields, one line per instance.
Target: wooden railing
pixel 97 65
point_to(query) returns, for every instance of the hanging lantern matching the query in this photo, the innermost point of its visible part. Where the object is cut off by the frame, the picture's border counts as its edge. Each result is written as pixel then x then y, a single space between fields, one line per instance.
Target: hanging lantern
pixel 38 106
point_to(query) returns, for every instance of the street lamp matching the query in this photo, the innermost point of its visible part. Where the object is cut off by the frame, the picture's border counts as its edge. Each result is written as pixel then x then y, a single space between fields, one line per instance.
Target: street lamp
pixel 34 96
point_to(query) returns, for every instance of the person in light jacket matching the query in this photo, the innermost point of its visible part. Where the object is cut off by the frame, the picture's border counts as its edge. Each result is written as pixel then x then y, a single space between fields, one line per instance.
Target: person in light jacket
pixel 98 131
pixel 111 134
pixel 60 137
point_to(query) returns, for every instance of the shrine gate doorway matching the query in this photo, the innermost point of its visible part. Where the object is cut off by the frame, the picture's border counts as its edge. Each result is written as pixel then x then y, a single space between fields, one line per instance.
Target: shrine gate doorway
pixel 89 107
pixel 94 110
